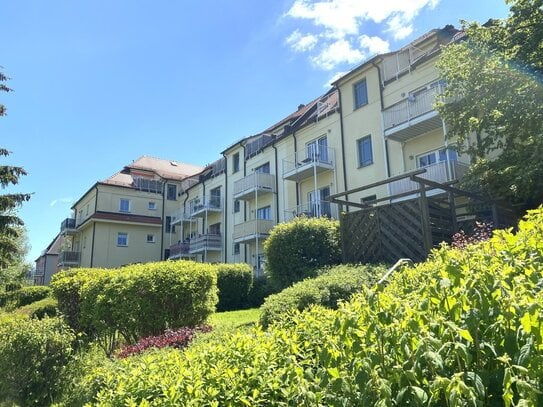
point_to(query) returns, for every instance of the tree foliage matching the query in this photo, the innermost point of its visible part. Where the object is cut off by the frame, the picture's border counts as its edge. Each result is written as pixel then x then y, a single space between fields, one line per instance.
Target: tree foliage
pixel 10 223
pixel 493 100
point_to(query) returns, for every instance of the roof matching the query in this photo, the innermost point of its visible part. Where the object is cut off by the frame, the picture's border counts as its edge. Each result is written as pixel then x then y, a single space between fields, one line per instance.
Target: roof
pixel 53 248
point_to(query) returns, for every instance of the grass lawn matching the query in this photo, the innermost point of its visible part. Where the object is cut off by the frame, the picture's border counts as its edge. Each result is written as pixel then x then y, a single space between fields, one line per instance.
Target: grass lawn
pixel 230 322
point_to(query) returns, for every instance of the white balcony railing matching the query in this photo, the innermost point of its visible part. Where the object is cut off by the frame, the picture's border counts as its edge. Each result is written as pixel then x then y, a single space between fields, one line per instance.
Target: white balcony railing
pixel 180 216
pixel 304 164
pixel 411 107
pixel 211 203
pixel 442 172
pixel 255 182
pixel 67 226
pixel 179 250
pixel 251 229
pixel 69 258
pixel 310 209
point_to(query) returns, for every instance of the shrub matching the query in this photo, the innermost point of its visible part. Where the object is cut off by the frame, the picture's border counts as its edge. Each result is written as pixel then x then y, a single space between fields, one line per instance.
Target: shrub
pixel 234 282
pixel 297 248
pixel 261 289
pixel 146 299
pixel 33 354
pixel 463 328
pixel 66 286
pixel 333 285
pixel 178 339
pixel 23 296
pixel 40 309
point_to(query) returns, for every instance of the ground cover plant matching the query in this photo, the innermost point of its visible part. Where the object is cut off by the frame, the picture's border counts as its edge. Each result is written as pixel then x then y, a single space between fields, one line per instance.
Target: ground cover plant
pixel 462 329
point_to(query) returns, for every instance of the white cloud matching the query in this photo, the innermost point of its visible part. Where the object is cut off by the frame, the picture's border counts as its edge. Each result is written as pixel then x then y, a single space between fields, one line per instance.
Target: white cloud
pixel 67 200
pixel 374 45
pixel 334 78
pixel 337 53
pixel 337 22
pixel 300 42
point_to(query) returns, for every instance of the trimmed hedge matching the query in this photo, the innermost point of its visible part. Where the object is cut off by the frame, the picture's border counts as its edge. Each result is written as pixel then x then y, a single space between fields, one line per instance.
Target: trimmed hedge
pixel 335 284
pixel 234 282
pixel 462 329
pixel 33 354
pixel 137 300
pixel 294 250
pixel 23 296
pixel 40 309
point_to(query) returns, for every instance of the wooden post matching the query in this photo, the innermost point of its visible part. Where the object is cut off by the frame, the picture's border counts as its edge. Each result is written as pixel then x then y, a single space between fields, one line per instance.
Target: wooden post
pixel 495 217
pixel 452 207
pixel 425 218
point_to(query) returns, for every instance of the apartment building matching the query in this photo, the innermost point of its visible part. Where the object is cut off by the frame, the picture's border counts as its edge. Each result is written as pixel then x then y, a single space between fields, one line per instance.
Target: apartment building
pixel 123 219
pixel 47 263
pixel 377 122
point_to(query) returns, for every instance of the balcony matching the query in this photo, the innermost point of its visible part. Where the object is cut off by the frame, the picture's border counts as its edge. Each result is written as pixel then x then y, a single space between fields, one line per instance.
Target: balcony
pixel 306 164
pixel 203 243
pixel 180 216
pixel 209 204
pixel 179 250
pixel 68 227
pixel 442 172
pixel 311 210
pixel 412 116
pixel 251 230
pixel 246 187
pixel 69 259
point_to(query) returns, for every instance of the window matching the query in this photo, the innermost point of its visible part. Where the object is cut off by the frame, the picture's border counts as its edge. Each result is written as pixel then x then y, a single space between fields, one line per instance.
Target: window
pixel 237 206
pixel 317 150
pixel 152 205
pixel 215 229
pixel 236 248
pixel 264 213
pixel 365 153
pixel 318 203
pixel 263 169
pixel 151 239
pixel 235 163
pixel 171 192
pixel 215 197
pixel 169 227
pixel 441 155
pixel 124 205
pixel 122 239
pixel 360 91
pixel 369 198
pixel 166 254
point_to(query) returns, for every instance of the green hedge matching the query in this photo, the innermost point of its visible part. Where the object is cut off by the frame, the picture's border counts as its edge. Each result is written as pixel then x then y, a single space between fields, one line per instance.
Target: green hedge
pixel 234 282
pixel 333 285
pixel 462 329
pixel 40 309
pixel 33 354
pixel 23 296
pixel 294 250
pixel 137 300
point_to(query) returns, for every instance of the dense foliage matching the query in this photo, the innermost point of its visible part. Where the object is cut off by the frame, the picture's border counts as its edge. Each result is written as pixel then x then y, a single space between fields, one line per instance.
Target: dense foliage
pixel 137 300
pixel 336 284
pixel 23 296
pixel 294 250
pixel 178 338
pixel 48 307
pixel 493 103
pixel 462 329
pixel 234 282
pixel 33 354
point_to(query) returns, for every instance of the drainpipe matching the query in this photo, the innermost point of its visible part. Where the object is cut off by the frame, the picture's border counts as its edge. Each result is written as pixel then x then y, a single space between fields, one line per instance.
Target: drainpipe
pixel 295 159
pixel 225 208
pixel 385 141
pixel 342 138
pixel 162 222
pixel 93 230
pixel 276 184
pixel 244 204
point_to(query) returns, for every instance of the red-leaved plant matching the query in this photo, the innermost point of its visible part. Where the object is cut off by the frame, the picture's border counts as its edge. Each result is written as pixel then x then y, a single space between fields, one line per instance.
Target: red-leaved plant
pixel 482 231
pixel 178 338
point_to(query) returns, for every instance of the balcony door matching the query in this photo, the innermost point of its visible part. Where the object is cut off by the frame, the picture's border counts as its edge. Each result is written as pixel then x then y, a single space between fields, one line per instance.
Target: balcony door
pixel 318 204
pixel 317 150
pixel 436 156
pixel 215 197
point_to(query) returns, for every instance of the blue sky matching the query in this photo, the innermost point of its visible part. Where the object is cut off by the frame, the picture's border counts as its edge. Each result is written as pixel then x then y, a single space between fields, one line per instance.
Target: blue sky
pixel 99 83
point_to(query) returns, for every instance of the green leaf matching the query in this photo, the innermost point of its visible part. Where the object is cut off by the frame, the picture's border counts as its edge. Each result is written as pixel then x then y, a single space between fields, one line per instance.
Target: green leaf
pixel 464 333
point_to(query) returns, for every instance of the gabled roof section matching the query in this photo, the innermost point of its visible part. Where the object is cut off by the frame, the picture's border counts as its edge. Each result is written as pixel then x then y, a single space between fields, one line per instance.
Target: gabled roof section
pixel 53 248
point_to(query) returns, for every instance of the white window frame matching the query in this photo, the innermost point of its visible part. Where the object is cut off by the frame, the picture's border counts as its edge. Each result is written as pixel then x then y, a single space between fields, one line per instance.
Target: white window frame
pixel 152 206
pixel 264 213
pixel 356 102
pixel 121 200
pixel 173 187
pixel 119 234
pixel 152 240
pixel 364 163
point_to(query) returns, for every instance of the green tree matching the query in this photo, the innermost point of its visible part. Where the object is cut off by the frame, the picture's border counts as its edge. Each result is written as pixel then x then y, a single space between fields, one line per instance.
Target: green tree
pixel 10 223
pixel 493 103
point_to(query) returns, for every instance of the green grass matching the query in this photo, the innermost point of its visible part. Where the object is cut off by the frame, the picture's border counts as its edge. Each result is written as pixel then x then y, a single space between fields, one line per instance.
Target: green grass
pixel 230 322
